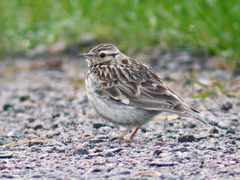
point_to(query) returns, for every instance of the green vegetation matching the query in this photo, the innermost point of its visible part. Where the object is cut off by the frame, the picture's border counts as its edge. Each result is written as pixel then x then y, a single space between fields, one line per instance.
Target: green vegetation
pixel 211 25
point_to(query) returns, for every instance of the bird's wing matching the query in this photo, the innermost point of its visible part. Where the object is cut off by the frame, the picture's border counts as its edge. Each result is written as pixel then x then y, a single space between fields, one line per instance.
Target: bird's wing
pixel 140 86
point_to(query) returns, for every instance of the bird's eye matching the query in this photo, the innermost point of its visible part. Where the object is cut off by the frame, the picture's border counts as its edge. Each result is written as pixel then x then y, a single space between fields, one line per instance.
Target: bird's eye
pixel 102 55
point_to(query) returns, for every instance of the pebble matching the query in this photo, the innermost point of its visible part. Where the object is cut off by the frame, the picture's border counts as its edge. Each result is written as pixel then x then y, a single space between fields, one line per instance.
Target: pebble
pixel 214 130
pixel 5 156
pixel 38 126
pixel 231 131
pixel 7 106
pixel 161 164
pixel 109 154
pixel 24 98
pixel 31 119
pixel 224 124
pixel 81 151
pixel 187 138
pixel 157 152
pixel 97 170
pixel 226 107
pixel 98 125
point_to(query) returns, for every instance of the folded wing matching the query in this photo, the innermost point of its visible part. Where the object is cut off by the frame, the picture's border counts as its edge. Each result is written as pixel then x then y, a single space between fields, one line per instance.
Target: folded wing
pixel 141 87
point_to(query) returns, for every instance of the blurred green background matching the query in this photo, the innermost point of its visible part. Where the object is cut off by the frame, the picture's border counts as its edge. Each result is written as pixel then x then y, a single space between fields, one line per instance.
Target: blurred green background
pixel 209 25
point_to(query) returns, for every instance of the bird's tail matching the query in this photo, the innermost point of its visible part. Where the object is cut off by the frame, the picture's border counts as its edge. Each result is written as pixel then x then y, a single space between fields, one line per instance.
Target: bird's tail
pixel 194 113
pixel 200 119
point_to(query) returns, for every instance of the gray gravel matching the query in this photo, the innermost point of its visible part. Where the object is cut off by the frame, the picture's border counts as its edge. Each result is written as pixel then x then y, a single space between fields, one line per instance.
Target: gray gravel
pixel 38 98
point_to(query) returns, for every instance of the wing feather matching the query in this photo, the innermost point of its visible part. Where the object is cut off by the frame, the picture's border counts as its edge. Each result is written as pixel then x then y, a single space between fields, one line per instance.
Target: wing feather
pixel 141 87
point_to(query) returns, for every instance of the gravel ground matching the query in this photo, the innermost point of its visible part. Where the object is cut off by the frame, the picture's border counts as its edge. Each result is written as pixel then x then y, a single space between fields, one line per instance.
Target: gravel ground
pixel 48 131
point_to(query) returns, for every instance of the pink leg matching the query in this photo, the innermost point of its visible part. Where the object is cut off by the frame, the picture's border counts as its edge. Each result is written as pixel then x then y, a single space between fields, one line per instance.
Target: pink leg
pixel 121 138
pixel 133 134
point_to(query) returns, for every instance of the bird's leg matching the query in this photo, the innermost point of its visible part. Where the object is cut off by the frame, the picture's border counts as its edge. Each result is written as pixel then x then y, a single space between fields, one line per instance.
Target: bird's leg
pixel 133 134
pixel 121 138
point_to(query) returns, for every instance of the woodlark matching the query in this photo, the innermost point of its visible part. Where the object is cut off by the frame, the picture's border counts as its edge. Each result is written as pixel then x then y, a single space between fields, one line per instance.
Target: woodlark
pixel 127 92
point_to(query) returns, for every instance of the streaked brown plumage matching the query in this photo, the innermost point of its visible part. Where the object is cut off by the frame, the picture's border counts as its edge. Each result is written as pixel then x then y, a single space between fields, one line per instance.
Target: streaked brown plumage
pixel 127 92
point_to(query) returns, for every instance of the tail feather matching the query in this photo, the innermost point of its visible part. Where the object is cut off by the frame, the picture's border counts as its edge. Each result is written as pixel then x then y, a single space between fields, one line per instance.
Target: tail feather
pixel 191 112
pixel 200 119
pixel 187 111
pixel 194 114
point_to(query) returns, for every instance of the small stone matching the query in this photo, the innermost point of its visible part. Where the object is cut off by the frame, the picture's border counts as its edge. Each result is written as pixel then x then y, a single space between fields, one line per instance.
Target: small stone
pixel 30 119
pixel 229 151
pixel 98 125
pixel 125 172
pixel 24 98
pixel 161 164
pixel 98 150
pixel 94 141
pixel 104 130
pixel 224 124
pixel 191 125
pixel 183 149
pixel 50 151
pixel 60 149
pixel 226 106
pixel 10 133
pixel 117 150
pixel 231 131
pixel 164 155
pixel 144 130
pixel 7 106
pixel 103 137
pixel 109 154
pixel 159 135
pixel 37 176
pixel 7 176
pixel 157 152
pixel 81 151
pixel 201 138
pixel 187 138
pixel 214 130
pixel 97 170
pixel 56 115
pixel 212 148
pixel 4 156
pixel 86 136
pixel 38 126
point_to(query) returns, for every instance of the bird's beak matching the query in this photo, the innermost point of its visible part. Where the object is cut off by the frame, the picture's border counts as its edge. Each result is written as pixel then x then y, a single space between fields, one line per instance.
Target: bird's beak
pixel 85 55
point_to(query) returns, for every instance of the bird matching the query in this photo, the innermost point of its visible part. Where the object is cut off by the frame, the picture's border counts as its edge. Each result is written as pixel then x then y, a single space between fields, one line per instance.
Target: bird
pixel 127 92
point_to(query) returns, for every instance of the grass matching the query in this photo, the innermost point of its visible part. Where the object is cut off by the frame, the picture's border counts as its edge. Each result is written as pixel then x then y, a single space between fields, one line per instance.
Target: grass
pixel 211 25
